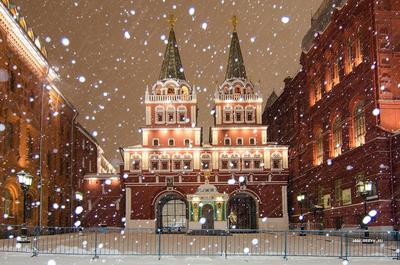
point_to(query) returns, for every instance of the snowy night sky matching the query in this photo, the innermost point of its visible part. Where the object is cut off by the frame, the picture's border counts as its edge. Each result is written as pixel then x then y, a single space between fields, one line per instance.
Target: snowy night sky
pixel 107 52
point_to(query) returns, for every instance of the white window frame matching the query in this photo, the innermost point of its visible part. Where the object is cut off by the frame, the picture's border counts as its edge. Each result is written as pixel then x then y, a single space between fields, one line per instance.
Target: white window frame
pixel 237 140
pixel 133 159
pixel 247 110
pixel 184 142
pixel 155 139
pixel 255 140
pixel 226 110
pixel 230 141
pixel 178 111
pixel 167 112
pixel 205 157
pixel 274 157
pixel 173 140
pixel 241 110
pixel 157 110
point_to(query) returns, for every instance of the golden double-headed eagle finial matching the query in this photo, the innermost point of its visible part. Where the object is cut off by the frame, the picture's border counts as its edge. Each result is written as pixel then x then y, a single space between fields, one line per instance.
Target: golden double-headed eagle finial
pixel 172 20
pixel 234 21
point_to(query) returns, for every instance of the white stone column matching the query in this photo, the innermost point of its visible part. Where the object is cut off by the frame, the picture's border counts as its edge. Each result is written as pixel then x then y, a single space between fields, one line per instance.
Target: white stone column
pixel 128 204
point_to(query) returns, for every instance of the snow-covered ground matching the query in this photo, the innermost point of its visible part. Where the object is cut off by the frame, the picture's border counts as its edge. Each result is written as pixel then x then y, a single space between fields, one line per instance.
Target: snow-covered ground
pixel 23 259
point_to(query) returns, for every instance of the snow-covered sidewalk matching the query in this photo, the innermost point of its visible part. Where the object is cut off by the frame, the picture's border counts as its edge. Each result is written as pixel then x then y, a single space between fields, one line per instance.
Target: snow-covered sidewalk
pixel 23 259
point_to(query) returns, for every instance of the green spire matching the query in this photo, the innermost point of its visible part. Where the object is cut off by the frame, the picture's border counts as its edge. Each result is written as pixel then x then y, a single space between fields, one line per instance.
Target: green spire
pixel 235 67
pixel 172 65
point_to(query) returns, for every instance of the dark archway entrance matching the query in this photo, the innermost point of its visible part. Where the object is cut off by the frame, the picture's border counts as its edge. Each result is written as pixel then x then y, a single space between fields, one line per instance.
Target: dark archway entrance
pixel 243 208
pixel 171 213
pixel 207 212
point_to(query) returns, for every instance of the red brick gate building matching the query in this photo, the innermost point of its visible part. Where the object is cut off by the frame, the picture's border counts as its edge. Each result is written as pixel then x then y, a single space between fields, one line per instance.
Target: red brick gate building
pixel 175 181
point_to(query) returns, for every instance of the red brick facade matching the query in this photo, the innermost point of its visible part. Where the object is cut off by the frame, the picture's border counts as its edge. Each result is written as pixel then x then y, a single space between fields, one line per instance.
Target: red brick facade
pixel 338 114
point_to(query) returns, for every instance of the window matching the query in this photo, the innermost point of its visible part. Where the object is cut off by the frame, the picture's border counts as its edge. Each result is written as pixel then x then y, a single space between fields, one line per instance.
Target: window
pixel 276 161
pixel 156 142
pixel 160 114
pixel 317 91
pixel 8 203
pixel 170 115
pixel 224 162
pixel 171 142
pixel 246 162
pixel 171 213
pixel 154 162
pixel 227 114
pixel 135 163
pixel 334 71
pixel 257 162
pixel 359 124
pixel 338 191
pixel 252 141
pixel 186 142
pixel 239 141
pixel 182 114
pixel 327 201
pixel 346 196
pixel 319 148
pixel 177 162
pixel 187 162
pixel 250 114
pixel 227 141
pixel 165 162
pixel 234 163
pixel 337 137
pixel 205 162
pixel 239 114
pixel 30 145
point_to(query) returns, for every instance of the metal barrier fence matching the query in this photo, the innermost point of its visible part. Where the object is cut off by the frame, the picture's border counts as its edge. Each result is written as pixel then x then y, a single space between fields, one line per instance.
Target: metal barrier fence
pixel 119 241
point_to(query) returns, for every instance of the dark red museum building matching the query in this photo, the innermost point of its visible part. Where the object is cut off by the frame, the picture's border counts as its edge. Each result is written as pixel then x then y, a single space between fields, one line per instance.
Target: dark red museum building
pixel 340 116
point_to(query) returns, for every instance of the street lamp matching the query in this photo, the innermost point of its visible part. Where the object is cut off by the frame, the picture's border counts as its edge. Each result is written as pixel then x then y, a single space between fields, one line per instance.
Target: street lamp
pixel 300 199
pixel 364 188
pixel 25 181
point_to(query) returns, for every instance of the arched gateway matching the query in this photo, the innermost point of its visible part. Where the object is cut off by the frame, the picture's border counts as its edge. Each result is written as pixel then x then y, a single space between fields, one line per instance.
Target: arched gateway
pixel 242 210
pixel 171 213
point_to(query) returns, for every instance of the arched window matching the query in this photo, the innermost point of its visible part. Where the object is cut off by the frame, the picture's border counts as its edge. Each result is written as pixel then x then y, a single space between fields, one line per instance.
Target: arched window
pixel 337 137
pixel 156 142
pixel 239 141
pixel 276 161
pixel 170 114
pixel 160 114
pixel 224 162
pixel 182 114
pixel 227 114
pixel 170 90
pixel 238 114
pixel 252 141
pixel 187 162
pixel 257 161
pixel 171 142
pixel 359 124
pixel 317 91
pixel 165 162
pixel 247 162
pixel 154 162
pixel 135 163
pixel 186 142
pixel 177 162
pixel 250 117
pixel 205 162
pixel 318 148
pixel 227 141
pixel 235 162
pixel 8 203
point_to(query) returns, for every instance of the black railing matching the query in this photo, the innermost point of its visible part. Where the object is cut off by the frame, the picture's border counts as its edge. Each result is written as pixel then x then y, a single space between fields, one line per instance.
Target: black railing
pixel 98 241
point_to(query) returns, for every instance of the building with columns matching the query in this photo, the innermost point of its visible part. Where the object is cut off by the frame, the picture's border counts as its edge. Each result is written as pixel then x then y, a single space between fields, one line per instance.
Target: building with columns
pixel 175 181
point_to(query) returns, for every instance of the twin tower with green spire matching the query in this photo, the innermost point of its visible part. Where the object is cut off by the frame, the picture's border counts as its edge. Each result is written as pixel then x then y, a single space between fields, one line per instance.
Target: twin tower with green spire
pixel 172 64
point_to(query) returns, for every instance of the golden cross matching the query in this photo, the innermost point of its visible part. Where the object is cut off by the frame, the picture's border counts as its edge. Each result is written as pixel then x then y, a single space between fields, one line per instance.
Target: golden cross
pixel 234 21
pixel 172 20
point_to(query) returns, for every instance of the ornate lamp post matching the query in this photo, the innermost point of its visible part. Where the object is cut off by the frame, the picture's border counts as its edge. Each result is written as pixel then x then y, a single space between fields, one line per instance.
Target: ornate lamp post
pixel 300 199
pixel 25 181
pixel 365 189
